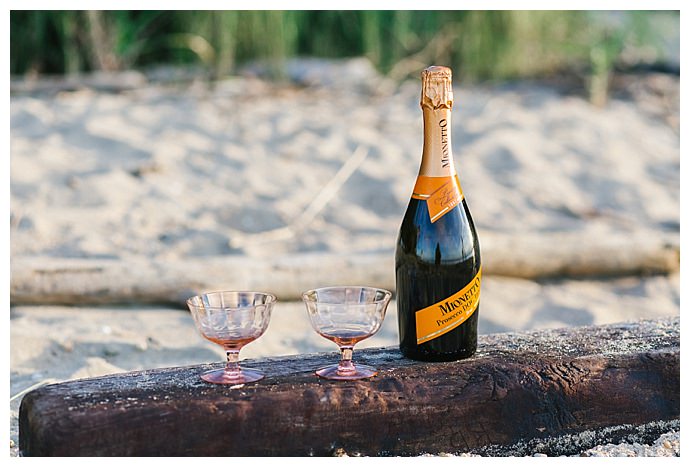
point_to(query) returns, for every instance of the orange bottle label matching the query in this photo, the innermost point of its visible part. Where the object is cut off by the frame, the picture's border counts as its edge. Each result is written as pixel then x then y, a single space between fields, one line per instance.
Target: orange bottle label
pixel 441 194
pixel 446 315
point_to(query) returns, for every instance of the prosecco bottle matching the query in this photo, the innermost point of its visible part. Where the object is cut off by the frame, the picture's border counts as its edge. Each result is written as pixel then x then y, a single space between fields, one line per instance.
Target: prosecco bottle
pixel 437 260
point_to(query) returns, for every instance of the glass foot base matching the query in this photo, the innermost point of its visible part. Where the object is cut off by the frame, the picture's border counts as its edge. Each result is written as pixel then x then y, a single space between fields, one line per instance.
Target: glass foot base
pixel 245 375
pixel 360 372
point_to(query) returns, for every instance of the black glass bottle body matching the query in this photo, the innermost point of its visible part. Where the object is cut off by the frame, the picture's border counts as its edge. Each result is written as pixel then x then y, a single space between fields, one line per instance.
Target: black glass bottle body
pixel 433 261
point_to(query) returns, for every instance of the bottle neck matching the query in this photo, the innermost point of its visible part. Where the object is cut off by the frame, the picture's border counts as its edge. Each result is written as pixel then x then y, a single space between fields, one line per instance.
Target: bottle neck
pixel 437 155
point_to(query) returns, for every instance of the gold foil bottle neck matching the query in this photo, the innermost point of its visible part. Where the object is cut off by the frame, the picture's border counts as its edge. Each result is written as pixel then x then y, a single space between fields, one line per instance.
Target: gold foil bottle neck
pixel 437 88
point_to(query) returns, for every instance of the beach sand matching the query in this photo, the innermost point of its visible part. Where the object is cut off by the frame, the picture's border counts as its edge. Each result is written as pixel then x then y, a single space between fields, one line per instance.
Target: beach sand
pixel 186 170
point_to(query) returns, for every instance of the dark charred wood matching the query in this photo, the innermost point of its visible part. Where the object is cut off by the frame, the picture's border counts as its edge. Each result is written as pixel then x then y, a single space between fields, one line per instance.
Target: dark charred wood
pixel 518 390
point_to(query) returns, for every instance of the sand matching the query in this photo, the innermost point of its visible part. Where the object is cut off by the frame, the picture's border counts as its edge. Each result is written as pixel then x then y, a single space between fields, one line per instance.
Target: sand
pixel 183 170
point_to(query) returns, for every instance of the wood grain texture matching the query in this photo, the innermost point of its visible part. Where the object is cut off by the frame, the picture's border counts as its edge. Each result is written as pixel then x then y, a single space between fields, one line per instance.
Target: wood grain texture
pixel 518 387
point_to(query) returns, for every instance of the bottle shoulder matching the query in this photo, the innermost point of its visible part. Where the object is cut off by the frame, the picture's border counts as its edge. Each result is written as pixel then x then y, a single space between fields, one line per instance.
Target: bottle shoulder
pixel 457 219
pixel 452 237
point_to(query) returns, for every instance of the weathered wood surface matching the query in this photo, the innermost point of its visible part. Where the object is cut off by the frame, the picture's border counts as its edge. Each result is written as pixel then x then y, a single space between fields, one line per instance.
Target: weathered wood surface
pixel 520 387
pixel 88 281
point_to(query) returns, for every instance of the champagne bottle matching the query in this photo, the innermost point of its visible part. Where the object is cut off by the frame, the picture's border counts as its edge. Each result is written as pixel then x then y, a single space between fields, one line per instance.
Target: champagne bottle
pixel 437 260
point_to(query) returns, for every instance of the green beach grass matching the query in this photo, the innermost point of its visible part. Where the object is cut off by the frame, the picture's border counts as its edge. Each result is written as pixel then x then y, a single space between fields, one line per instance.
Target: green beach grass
pixel 481 44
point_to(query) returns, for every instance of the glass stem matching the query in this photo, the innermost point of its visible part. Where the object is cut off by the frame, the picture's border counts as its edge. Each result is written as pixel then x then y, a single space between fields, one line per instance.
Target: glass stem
pixel 232 366
pixel 345 366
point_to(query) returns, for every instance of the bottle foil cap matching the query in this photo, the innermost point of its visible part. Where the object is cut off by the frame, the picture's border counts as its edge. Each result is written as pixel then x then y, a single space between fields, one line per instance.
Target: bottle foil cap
pixel 437 88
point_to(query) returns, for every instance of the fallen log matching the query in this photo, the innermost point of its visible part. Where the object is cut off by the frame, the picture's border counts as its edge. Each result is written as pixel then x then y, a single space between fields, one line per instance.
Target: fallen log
pixel 106 82
pixel 575 255
pixel 519 391
pixel 37 281
pixel 78 281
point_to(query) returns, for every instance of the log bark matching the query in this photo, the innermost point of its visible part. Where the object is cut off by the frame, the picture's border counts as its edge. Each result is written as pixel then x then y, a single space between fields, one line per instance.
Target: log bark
pixel 90 281
pixel 518 388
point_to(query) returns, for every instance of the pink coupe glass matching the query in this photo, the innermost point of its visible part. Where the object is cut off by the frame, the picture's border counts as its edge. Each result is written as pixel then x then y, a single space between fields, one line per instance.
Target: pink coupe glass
pixel 346 315
pixel 232 320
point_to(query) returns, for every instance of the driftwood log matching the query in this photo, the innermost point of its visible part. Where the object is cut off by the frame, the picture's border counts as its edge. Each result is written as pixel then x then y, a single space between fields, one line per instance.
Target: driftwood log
pixel 90 281
pixel 113 82
pixel 552 390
